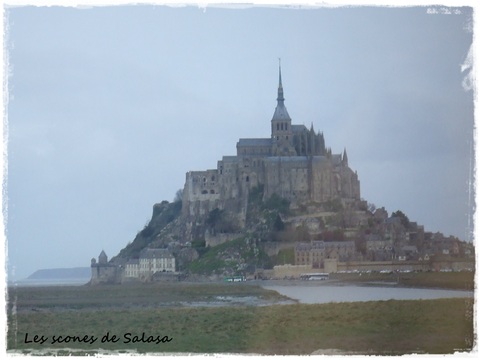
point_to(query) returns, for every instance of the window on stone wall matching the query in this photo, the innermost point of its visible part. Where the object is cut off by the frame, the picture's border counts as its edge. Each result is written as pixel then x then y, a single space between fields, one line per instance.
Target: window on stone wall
pixel 247 179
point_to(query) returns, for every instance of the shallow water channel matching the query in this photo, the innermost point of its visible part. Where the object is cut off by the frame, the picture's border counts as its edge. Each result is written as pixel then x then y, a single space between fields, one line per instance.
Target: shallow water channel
pixel 324 293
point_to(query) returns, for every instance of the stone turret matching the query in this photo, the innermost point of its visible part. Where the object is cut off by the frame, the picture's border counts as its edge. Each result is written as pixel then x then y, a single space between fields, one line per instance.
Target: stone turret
pixel 102 258
pixel 102 271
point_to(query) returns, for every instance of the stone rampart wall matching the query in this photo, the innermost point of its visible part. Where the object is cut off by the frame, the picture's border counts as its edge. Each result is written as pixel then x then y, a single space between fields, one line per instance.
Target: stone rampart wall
pixel 289 271
pixel 383 265
pixel 272 248
pixel 217 239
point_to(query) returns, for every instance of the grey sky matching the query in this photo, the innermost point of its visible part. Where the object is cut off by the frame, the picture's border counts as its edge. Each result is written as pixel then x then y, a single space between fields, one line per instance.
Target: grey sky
pixel 110 107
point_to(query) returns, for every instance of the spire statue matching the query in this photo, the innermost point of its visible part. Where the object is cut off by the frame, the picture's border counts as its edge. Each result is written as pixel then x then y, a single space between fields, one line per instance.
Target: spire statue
pixel 280 98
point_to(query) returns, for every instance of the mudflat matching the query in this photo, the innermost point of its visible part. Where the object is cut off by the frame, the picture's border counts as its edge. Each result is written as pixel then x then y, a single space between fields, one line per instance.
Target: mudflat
pixel 139 296
pixel 226 318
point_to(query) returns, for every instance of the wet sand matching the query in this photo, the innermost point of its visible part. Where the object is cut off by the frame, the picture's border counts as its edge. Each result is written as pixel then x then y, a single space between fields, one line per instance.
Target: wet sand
pixel 321 292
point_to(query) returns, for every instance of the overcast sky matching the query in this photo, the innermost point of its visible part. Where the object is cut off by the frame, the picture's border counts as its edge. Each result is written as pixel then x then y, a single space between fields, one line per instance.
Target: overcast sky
pixel 109 107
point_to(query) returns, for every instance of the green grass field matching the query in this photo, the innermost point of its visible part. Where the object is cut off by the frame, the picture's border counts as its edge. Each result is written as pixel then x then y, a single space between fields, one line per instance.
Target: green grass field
pixel 385 327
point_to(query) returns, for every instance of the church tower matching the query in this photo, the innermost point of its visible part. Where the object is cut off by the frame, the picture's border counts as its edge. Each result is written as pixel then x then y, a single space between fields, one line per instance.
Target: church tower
pixel 282 134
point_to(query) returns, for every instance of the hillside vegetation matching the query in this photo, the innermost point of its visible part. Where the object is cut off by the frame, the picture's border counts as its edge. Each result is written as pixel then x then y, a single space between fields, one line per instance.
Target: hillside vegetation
pixel 224 242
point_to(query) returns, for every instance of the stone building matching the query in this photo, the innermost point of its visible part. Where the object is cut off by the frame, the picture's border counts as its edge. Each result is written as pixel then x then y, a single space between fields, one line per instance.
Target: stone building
pixel 315 253
pixel 292 163
pixel 132 267
pixel 149 263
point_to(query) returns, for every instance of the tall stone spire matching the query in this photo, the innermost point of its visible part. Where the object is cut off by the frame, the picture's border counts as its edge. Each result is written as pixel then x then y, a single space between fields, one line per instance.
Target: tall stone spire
pixel 281 112
pixel 280 98
pixel 282 134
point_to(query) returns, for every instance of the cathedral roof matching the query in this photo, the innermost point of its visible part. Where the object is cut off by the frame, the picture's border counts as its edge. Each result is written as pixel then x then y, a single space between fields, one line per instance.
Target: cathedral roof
pixel 229 158
pixel 255 142
pixel 299 128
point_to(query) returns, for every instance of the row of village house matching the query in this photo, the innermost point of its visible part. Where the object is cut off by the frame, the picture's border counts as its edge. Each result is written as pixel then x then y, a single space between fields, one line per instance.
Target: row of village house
pixel 314 253
pixel 152 262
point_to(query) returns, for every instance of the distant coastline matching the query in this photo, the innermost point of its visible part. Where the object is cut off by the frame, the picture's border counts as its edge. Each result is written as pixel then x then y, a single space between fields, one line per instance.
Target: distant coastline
pixel 48 282
pixel 58 276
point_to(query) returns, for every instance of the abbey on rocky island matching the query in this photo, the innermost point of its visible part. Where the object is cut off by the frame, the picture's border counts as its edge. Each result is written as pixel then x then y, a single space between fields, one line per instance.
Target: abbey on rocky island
pixel 322 190
pixel 292 163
